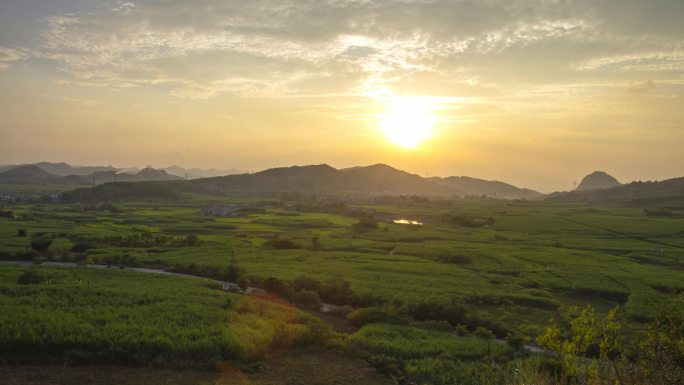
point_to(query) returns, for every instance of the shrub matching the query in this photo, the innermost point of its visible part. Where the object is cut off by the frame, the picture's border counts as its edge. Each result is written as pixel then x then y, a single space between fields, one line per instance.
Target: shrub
pixel 304 282
pixel 243 283
pixel 364 225
pixel 282 244
pixel 385 314
pixel 423 311
pixel 442 326
pixel 308 299
pixel 191 240
pixel 6 214
pixel 278 287
pixel 21 233
pixel 337 291
pixel 515 341
pixel 31 277
pixel 341 311
pixel 40 244
pixel 80 247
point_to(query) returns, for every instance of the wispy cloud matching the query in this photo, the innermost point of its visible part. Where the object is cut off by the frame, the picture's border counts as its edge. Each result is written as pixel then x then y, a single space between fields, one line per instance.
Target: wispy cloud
pixel 9 55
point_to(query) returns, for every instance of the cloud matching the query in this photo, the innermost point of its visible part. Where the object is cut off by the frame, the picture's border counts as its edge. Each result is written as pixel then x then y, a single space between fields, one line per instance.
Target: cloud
pixel 640 87
pixel 204 48
pixel 9 55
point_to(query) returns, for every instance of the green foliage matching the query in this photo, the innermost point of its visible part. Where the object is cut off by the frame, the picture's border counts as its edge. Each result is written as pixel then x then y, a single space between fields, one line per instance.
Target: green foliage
pixel 308 299
pixel 304 282
pixel 278 287
pixel 31 277
pixel 515 341
pixel 80 247
pixel 243 283
pixel 587 330
pixel 282 244
pixel 41 244
pixel 6 214
pixel 466 220
pixel 421 356
pixel 112 317
pixel 365 224
pixel 379 314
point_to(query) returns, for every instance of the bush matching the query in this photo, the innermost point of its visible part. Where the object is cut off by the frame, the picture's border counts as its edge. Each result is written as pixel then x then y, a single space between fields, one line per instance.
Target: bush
pixel 243 283
pixel 6 214
pixel 304 282
pixel 454 314
pixel 308 299
pixel 80 247
pixel 385 314
pixel 277 287
pixel 515 341
pixel 442 326
pixel 282 244
pixel 21 233
pixel 40 244
pixel 31 277
pixel 364 225
pixel 341 311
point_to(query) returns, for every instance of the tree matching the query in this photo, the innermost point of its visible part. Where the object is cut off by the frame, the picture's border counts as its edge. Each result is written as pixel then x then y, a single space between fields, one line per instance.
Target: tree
pixel 485 334
pixel 307 298
pixel 587 332
pixel 304 282
pixel 232 272
pixel 315 243
pixel 41 244
pixel 515 341
pixel 243 283
pixel 277 287
pixel 658 357
pixel 30 277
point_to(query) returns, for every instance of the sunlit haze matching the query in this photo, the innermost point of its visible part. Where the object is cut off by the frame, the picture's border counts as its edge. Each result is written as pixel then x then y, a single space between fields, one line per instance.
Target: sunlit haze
pixel 535 93
pixel 407 122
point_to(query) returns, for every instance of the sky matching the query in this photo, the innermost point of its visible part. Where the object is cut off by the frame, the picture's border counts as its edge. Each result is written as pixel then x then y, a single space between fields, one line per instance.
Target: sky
pixel 534 93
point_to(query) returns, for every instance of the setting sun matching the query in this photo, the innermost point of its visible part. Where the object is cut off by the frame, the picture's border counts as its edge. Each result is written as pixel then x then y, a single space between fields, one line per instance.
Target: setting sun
pixel 407 122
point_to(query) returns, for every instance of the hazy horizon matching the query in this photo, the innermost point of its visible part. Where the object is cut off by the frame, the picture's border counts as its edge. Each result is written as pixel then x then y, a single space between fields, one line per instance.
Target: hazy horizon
pixel 570 185
pixel 533 93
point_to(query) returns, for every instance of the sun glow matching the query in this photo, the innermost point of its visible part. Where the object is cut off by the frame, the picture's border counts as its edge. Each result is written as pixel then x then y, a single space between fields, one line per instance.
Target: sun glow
pixel 408 121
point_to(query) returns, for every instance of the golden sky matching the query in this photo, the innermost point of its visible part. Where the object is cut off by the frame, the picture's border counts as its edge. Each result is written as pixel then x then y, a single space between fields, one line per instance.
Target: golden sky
pixel 534 93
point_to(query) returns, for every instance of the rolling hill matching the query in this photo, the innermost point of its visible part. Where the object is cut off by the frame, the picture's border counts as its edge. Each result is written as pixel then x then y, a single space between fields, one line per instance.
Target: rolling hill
pixel 636 193
pixel 466 185
pixel 27 175
pixel 597 180
pixel 34 174
pixel 375 179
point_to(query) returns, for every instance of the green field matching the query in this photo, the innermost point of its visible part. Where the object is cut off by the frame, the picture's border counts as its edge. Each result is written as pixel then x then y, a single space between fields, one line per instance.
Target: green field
pixel 509 266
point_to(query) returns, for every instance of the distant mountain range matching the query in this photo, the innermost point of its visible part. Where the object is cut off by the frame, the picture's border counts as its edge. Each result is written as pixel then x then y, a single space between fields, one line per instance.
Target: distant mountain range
pixel 33 174
pixel 51 173
pixel 377 179
pixel 466 185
